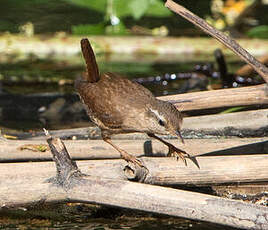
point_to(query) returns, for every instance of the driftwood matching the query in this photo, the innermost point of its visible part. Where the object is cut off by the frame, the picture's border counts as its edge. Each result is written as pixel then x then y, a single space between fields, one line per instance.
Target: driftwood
pixel 251 95
pixel 227 41
pixel 213 170
pixel 37 150
pixel 70 185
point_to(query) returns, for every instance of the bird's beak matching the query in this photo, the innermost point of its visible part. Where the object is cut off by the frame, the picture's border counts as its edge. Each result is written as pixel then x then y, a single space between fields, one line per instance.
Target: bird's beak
pixel 178 133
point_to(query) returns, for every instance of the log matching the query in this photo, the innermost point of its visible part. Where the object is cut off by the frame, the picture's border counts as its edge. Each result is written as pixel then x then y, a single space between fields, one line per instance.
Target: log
pixel 213 170
pixel 29 150
pixel 251 95
pixel 70 185
pixel 173 202
pixel 261 69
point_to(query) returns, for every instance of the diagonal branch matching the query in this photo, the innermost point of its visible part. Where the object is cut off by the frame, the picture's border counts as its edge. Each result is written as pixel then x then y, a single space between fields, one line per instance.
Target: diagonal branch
pixel 226 40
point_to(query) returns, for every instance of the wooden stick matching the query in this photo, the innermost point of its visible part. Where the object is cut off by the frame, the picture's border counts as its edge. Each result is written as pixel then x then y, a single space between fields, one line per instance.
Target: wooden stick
pixel 27 150
pixel 251 95
pixel 89 189
pixel 226 40
pixel 162 170
pixel 247 70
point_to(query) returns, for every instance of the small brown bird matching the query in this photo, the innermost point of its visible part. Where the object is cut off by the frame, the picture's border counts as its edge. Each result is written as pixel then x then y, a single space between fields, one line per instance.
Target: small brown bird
pixel 118 105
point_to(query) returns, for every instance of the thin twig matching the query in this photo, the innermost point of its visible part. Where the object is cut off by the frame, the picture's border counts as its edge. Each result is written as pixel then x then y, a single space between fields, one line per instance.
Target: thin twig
pixel 226 40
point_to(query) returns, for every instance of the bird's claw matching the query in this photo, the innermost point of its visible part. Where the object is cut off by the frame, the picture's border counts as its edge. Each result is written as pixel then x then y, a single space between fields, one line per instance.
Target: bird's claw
pixel 178 153
pixel 133 160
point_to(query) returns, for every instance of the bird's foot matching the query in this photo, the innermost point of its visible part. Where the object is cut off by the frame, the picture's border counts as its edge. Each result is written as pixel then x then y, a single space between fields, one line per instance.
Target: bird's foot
pixel 129 158
pixel 178 153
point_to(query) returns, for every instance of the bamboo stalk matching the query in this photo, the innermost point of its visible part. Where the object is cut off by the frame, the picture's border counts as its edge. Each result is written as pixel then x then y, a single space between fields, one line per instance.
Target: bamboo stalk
pixel 226 40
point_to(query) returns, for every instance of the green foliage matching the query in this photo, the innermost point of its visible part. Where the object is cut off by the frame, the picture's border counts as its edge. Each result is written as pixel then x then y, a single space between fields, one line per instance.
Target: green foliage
pixel 98 5
pixel 96 29
pixel 259 32
pixel 138 8
pixel 124 8
pixel 119 9
pixel 233 109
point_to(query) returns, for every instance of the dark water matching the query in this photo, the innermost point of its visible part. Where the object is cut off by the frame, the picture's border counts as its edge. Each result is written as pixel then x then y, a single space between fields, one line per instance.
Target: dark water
pixel 81 216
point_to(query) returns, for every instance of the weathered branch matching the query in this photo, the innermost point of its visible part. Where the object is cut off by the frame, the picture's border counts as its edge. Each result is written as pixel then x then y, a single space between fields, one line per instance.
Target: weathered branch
pixel 251 95
pixel 226 40
pixel 131 195
pixel 29 150
pixel 162 170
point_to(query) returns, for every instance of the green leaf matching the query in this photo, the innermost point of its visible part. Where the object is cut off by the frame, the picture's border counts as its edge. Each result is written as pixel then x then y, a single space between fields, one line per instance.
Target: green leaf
pixel 231 110
pixel 86 29
pixel 121 8
pixel 259 32
pixel 158 9
pixel 138 8
pixel 99 5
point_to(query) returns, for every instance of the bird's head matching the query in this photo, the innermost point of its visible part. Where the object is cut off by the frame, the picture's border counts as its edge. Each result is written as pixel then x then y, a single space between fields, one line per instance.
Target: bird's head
pixel 165 119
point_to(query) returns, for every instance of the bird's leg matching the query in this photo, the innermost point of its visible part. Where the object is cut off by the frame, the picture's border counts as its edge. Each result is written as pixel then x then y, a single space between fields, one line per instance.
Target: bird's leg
pixel 126 156
pixel 172 150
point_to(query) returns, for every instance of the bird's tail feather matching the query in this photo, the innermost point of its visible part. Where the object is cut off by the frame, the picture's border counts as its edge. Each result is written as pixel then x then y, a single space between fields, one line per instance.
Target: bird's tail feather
pixel 92 74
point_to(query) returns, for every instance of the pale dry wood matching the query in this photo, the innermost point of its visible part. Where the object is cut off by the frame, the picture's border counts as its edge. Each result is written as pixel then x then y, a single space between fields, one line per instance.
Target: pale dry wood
pixel 247 70
pixel 10 150
pixel 247 123
pixel 137 196
pixel 81 188
pixel 220 36
pixel 162 170
pixel 251 95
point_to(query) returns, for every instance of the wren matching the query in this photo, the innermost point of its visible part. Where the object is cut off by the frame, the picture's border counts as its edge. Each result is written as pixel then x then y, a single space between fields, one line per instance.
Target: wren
pixel 117 105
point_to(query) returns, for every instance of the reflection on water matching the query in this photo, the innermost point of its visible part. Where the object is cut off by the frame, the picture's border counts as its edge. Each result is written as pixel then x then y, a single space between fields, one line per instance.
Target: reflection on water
pixel 82 216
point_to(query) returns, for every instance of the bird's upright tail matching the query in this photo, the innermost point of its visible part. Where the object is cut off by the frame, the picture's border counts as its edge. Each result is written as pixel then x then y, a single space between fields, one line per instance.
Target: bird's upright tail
pixel 92 74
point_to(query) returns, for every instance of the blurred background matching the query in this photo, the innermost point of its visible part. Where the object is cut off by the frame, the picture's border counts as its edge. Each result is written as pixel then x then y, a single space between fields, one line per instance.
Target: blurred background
pixel 140 39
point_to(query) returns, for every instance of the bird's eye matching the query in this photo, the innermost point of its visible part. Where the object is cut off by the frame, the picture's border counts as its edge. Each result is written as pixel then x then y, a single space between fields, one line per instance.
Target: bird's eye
pixel 160 122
